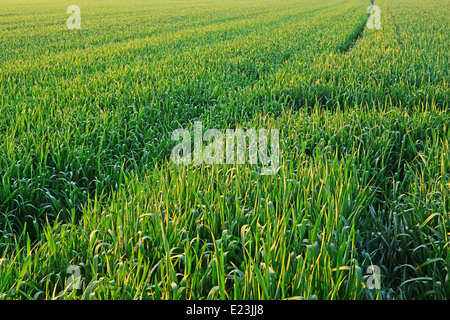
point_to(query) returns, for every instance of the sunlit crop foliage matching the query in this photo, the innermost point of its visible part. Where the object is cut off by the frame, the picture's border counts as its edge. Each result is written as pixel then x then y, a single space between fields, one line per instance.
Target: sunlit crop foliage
pixel 86 177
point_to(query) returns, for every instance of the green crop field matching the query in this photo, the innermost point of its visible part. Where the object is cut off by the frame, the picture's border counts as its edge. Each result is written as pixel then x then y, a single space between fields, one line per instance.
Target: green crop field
pixel 359 207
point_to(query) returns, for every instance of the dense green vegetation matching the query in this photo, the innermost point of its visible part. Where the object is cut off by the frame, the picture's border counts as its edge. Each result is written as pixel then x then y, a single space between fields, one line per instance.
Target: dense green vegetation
pixel 86 178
